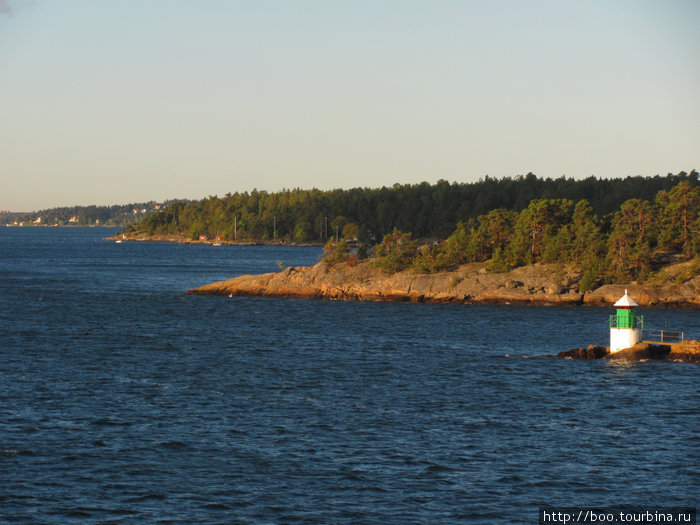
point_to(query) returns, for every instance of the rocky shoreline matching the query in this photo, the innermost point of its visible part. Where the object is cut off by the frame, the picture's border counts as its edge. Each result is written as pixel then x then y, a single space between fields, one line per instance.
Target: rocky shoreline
pixel 686 351
pixel 538 284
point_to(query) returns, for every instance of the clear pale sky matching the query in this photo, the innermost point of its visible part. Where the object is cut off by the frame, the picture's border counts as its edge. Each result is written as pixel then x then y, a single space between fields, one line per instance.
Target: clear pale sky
pixel 112 102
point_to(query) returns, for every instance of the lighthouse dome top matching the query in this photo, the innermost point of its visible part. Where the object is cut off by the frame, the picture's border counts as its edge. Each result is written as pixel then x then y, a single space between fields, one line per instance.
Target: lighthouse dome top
pixel 625 301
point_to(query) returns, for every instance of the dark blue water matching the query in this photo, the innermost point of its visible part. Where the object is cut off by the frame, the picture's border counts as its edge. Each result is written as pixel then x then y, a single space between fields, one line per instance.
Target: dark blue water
pixel 124 401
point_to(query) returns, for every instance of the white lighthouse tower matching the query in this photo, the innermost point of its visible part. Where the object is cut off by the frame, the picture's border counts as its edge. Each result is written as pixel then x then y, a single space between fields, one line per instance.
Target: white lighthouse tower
pixel 625 331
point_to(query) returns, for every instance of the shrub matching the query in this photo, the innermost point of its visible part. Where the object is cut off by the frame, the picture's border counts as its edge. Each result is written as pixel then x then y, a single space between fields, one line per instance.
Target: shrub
pixel 335 252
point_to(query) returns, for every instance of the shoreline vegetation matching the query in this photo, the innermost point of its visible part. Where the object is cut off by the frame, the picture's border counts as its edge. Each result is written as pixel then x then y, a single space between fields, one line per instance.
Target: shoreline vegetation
pixel 556 248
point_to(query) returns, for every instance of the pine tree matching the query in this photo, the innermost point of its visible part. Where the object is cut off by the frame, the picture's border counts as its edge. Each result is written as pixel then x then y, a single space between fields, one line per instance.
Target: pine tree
pixel 629 244
pixel 678 211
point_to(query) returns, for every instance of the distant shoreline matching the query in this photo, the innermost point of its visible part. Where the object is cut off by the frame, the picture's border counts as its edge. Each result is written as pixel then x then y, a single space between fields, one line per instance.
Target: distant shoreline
pixel 181 239
pixel 60 226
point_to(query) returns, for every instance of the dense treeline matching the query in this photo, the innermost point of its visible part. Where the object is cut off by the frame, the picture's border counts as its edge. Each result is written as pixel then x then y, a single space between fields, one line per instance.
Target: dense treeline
pixel 640 237
pixel 429 211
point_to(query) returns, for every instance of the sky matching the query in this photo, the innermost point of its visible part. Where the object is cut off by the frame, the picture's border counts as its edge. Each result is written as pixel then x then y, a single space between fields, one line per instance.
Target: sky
pixel 113 102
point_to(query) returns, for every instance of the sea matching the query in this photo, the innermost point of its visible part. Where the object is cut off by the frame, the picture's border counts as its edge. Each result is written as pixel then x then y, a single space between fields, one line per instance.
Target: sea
pixel 124 400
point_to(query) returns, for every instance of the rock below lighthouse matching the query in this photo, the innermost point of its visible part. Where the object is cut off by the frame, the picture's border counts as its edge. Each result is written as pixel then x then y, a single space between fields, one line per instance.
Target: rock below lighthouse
pixel 687 351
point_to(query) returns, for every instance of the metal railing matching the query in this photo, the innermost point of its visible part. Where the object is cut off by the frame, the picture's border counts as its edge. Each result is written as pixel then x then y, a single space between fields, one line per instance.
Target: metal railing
pixel 638 324
pixel 664 336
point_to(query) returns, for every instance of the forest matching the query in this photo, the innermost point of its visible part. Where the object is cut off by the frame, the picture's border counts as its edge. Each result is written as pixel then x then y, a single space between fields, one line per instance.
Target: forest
pixel 614 229
pixel 429 211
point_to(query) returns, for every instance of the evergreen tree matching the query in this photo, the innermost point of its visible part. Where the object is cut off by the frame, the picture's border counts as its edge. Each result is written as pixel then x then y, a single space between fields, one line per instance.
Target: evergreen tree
pixel 535 227
pixel 496 231
pixel 679 209
pixel 335 252
pixel 629 244
pixel 396 252
pixel 457 249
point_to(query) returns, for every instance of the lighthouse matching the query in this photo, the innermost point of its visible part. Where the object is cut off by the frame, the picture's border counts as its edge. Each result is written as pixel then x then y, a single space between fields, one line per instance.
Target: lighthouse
pixel 625 328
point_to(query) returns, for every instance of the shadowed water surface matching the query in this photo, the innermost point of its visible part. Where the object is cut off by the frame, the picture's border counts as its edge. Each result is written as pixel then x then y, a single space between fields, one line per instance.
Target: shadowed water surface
pixel 124 401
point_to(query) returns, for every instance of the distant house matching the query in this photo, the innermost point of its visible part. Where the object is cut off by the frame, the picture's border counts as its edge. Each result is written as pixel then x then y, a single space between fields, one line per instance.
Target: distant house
pixel 203 238
pixel 73 219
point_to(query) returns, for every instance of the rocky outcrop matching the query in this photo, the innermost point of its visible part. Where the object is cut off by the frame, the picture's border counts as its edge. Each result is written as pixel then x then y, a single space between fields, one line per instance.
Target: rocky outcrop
pixel 470 283
pixel 592 352
pixel 677 284
pixel 641 352
pixel 688 351
pixel 670 294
